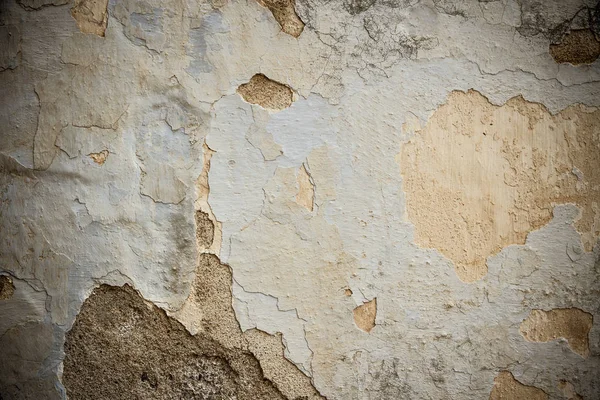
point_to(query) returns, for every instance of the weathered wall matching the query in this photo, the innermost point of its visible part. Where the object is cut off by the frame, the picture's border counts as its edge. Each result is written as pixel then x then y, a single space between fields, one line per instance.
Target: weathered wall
pixel 342 199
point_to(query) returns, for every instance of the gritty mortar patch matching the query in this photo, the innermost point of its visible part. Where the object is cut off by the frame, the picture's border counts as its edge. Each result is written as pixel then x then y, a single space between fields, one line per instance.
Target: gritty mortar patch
pixel 7 288
pixel 284 12
pixel 577 47
pixel 266 93
pixel 205 229
pixel 122 347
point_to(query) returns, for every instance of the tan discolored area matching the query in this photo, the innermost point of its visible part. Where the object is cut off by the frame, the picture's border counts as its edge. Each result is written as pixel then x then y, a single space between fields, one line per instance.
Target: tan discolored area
pixel 284 12
pixel 571 324
pixel 577 47
pixel 306 190
pixel 100 157
pixel 91 16
pixel 506 387
pixel 568 390
pixel 266 93
pixel 479 177
pixel 7 288
pixel 365 314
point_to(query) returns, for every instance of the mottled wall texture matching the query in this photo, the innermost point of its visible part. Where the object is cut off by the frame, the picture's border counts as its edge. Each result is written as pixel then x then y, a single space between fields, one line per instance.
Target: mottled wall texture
pixel 300 199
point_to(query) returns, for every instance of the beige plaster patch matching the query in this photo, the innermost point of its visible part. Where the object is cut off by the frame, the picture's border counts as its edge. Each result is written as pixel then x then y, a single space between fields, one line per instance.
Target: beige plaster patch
pixel 506 387
pixel 571 324
pixel 364 315
pixel 306 190
pixel 100 157
pixel 479 177
pixel 91 16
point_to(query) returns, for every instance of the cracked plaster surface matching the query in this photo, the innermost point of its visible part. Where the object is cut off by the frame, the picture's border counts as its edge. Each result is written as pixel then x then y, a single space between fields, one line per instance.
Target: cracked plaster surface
pixel 158 94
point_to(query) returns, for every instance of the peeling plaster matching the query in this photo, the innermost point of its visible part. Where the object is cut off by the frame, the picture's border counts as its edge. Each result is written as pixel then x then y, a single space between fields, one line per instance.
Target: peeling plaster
pixel 159 93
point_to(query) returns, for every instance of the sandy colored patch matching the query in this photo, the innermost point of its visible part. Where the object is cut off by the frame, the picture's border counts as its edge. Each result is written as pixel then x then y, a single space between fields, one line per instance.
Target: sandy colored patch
pixel 266 93
pixel 571 324
pixel 306 190
pixel 506 387
pixel 91 16
pixel 284 12
pixel 100 157
pixel 480 177
pixel 578 47
pixel 365 314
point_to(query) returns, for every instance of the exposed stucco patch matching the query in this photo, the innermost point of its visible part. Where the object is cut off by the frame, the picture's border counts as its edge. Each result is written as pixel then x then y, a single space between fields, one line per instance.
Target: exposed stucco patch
pixel 365 314
pixel 266 93
pixel 100 157
pixel 306 190
pixel 506 387
pixel 205 229
pixel 285 13
pixel 480 177
pixel 7 288
pixel 571 324
pixel 91 16
pixel 577 47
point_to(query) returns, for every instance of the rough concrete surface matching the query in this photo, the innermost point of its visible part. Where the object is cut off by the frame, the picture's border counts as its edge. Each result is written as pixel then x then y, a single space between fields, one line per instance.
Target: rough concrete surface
pixel 341 199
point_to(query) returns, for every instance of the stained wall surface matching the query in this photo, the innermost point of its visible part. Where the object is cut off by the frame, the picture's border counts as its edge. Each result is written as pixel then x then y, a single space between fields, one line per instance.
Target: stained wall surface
pixel 341 199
